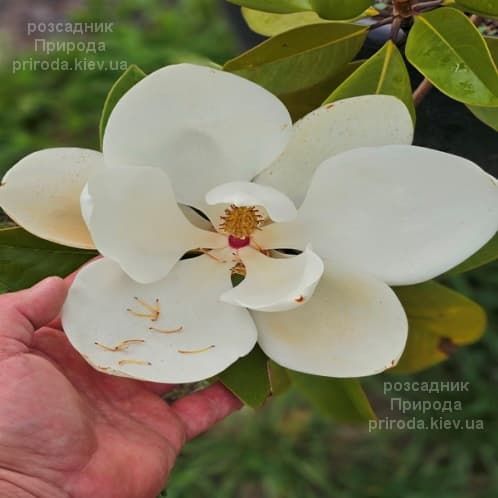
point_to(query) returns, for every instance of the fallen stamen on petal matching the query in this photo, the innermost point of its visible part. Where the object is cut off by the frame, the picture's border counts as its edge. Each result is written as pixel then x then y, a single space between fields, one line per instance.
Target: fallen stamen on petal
pixel 299 299
pixel 148 306
pixel 166 331
pixel 122 363
pixel 258 248
pixel 196 351
pixel 154 310
pixel 208 253
pixel 122 346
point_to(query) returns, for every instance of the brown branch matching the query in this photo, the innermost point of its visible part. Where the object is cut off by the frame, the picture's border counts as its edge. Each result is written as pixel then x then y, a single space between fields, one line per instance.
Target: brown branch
pixel 424 6
pixel 421 91
pixel 387 20
pixel 395 27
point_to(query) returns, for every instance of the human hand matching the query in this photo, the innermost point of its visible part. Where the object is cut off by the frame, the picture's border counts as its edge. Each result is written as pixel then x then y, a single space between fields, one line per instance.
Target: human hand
pixel 67 430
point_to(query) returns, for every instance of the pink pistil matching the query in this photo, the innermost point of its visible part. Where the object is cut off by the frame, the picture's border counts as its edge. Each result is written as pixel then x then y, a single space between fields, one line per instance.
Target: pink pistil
pixel 236 243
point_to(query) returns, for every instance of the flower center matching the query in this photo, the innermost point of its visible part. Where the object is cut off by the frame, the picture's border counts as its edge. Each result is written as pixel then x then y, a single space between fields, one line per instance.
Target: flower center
pixel 240 222
pixel 236 243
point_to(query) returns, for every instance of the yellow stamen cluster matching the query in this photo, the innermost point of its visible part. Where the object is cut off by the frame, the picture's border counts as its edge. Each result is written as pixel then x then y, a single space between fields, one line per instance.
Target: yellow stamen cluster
pixel 242 221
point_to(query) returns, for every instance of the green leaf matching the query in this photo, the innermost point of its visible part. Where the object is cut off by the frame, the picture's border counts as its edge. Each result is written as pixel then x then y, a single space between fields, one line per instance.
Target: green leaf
pixel 492 44
pixel 485 8
pixel 301 103
pixel 488 115
pixel 446 47
pixel 128 79
pixel 340 399
pixel 384 73
pixel 340 9
pixel 185 57
pixel 278 6
pixel 271 24
pixel 485 255
pixel 300 58
pixel 26 259
pixel 248 378
pixel 279 378
pixel 440 320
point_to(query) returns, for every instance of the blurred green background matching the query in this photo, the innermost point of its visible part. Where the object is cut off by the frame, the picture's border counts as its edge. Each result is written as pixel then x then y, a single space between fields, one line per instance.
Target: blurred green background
pixel 285 450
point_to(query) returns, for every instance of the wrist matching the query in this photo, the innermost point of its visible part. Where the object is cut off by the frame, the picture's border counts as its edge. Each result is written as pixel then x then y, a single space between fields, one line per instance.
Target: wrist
pixel 16 485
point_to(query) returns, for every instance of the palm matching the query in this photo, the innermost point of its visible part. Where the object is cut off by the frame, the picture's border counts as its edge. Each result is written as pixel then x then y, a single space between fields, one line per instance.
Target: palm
pixel 87 433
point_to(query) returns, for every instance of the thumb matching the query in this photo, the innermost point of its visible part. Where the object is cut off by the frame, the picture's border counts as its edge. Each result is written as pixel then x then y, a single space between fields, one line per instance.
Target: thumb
pixel 21 313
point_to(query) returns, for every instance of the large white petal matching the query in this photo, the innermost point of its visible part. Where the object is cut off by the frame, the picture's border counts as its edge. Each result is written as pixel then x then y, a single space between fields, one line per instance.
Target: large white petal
pixel 405 214
pixel 278 206
pixel 353 326
pixel 134 220
pixel 96 311
pixel 204 127
pixel 42 193
pixel 273 284
pixel 291 235
pixel 369 120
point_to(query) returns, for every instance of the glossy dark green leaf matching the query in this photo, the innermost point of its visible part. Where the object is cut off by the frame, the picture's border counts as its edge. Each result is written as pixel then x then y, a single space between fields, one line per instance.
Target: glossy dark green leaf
pixel 301 103
pixel 384 73
pixel 300 58
pixel 446 47
pixel 271 24
pixel 340 399
pixel 186 57
pixel 26 259
pixel 492 44
pixel 485 255
pixel 128 79
pixel 248 378
pixel 440 320
pixel 340 9
pixel 488 115
pixel 278 6
pixel 485 8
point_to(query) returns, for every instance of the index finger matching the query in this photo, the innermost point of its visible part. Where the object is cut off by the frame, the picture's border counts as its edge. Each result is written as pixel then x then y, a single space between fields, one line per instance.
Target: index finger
pixel 23 312
pixel 201 410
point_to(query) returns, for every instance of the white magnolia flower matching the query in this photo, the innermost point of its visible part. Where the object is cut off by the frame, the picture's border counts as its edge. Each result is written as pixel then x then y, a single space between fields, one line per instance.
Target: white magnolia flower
pixel 358 220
